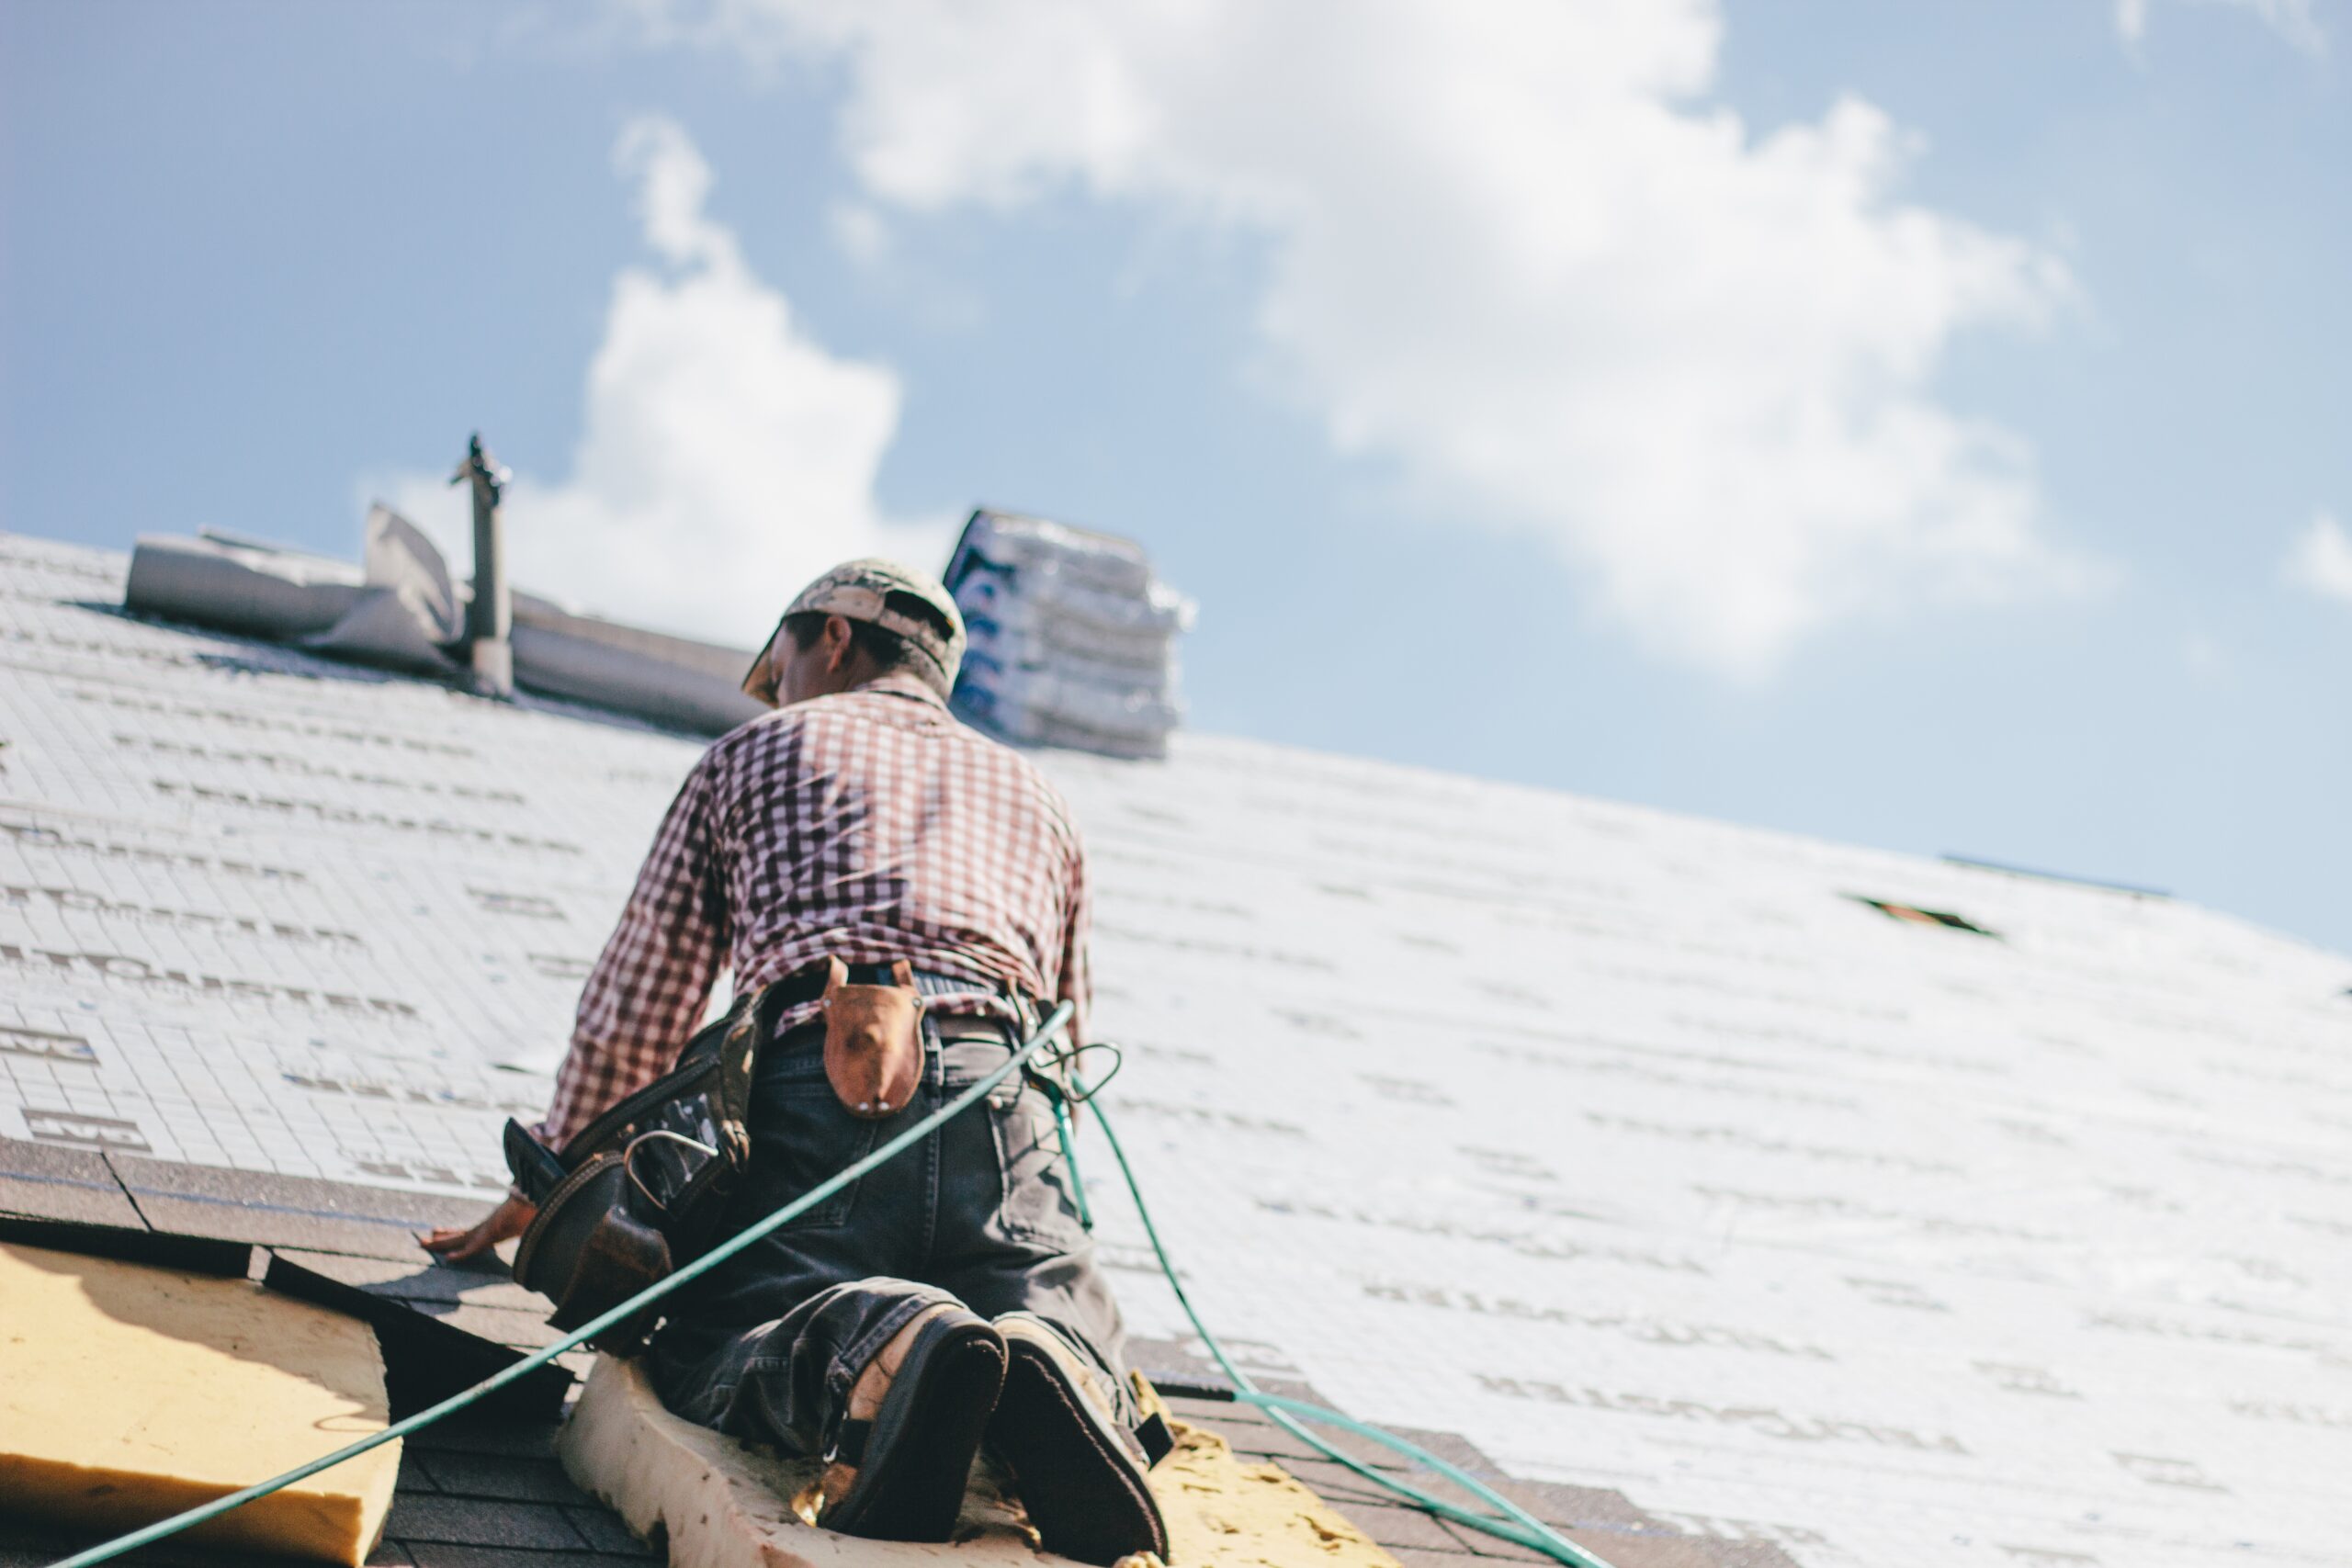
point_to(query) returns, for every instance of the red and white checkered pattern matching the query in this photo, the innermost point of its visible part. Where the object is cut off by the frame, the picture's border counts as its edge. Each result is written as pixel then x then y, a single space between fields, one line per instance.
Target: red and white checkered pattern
pixel 870 826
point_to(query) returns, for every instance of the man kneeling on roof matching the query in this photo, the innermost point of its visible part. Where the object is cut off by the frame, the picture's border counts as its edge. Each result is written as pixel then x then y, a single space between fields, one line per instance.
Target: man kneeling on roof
pixel 950 1296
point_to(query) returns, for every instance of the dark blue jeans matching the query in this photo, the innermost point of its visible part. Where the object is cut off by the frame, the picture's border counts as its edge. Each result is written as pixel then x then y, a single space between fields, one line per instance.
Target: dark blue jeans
pixel 766 1345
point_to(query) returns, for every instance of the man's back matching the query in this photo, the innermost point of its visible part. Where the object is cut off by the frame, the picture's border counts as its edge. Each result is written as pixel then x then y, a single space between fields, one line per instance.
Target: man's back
pixel 866 825
pixel 956 1284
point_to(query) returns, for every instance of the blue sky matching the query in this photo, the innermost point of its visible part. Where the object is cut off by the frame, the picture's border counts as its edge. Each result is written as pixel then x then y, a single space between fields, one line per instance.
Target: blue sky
pixel 1917 425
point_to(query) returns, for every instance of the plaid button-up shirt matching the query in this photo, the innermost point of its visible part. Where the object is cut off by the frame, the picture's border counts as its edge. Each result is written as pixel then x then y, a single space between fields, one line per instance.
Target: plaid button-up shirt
pixel 868 825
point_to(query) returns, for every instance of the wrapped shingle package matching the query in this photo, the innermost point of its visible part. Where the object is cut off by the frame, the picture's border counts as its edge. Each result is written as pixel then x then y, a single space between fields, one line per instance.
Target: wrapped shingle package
pixel 1073 639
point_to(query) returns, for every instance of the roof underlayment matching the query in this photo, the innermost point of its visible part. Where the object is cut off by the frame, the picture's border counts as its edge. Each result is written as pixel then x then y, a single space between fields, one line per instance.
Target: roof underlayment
pixel 1638 1150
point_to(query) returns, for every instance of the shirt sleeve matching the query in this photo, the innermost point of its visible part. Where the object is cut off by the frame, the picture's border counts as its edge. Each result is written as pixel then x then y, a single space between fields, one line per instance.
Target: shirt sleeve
pixel 1076 983
pixel 650 986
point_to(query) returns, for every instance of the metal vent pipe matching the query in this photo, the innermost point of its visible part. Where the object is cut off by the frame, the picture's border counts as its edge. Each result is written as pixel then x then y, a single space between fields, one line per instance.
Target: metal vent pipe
pixel 490 618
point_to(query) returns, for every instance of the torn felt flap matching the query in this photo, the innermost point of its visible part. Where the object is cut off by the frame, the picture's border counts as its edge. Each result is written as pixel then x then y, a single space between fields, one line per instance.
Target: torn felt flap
pixel 407 611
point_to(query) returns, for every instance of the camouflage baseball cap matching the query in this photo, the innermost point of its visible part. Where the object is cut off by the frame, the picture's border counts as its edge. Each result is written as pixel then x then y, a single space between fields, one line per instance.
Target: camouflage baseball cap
pixel 862 591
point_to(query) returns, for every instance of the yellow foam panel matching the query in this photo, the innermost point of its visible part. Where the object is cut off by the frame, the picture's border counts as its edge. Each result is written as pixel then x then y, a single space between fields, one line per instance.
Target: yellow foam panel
pixel 129 1393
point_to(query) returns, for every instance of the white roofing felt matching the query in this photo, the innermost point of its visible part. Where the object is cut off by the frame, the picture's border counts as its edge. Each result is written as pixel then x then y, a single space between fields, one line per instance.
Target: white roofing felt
pixel 1628 1145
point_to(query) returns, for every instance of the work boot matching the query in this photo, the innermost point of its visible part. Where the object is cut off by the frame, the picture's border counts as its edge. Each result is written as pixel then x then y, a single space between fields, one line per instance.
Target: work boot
pixel 898 1464
pixel 1081 1473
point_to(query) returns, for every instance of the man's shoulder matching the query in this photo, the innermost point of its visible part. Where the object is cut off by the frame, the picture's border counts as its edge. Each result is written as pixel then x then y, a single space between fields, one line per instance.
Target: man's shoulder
pixel 1019 763
pixel 755 734
pixel 1007 768
pixel 793 731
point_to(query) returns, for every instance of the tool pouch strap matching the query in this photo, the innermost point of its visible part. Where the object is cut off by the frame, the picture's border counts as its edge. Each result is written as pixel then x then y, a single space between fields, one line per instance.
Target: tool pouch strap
pixel 873 1037
pixel 645 1186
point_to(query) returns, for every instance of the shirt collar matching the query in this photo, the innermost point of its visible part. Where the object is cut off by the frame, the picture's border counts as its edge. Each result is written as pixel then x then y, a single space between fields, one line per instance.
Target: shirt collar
pixel 902 684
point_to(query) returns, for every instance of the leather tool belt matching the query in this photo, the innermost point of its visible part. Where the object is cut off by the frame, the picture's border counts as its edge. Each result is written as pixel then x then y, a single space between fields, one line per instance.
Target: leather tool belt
pixel 645 1185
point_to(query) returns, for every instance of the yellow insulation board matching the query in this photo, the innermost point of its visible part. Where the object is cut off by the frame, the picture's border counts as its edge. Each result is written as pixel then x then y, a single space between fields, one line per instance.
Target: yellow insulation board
pixel 129 1393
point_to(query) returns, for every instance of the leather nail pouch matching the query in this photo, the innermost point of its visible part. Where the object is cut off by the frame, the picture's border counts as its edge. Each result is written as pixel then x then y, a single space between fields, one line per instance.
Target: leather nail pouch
pixel 873 1037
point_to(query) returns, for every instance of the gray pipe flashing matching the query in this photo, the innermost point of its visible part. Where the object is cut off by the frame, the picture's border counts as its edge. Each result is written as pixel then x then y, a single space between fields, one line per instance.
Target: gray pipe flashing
pixel 490 618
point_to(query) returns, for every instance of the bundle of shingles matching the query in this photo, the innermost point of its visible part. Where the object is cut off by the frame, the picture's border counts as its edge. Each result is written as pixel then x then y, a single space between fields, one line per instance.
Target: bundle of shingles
pixel 1073 638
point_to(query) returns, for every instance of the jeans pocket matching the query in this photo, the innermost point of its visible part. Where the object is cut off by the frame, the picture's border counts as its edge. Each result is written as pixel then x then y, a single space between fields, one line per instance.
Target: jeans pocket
pixel 1038 1204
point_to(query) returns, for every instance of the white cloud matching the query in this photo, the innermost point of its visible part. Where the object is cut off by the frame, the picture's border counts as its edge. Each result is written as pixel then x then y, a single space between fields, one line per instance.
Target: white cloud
pixel 2293 20
pixel 1515 249
pixel 2320 561
pixel 725 457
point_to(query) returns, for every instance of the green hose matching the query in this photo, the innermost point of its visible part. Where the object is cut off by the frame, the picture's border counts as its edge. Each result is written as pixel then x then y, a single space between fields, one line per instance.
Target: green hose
pixel 1516 1524
pixel 1070 1158
pixel 107 1552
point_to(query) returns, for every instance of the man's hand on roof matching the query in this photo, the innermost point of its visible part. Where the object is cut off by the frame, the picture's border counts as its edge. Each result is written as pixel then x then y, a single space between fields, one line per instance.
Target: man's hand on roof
pixel 508 1219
